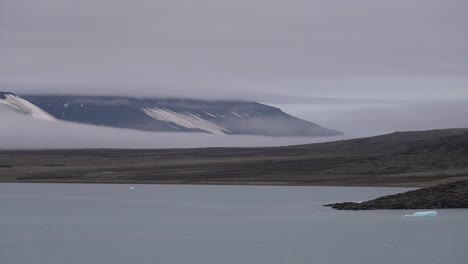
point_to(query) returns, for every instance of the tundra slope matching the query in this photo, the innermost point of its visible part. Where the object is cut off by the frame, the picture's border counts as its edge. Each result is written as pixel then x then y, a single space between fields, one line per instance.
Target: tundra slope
pixel 418 159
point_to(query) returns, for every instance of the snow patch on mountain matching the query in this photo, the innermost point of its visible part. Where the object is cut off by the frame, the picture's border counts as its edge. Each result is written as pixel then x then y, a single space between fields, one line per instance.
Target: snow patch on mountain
pixel 185 119
pixel 236 114
pixel 17 104
pixel 210 114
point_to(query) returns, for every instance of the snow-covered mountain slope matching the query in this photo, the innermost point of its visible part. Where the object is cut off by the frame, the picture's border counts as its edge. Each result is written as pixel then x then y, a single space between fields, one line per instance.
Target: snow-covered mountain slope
pixel 9 102
pixel 185 119
pixel 178 115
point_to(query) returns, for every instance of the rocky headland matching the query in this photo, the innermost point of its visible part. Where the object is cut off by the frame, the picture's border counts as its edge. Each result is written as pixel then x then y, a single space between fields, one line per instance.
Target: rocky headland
pixel 450 195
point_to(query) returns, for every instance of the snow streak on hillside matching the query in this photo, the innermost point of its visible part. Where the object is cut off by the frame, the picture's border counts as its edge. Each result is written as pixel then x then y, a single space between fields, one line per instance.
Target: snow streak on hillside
pixel 185 119
pixel 11 102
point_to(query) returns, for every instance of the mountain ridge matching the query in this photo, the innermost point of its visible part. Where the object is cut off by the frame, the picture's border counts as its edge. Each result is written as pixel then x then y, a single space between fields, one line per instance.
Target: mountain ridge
pixel 232 117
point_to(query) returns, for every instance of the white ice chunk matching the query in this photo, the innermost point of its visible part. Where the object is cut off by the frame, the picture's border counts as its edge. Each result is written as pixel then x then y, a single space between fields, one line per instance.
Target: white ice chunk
pixel 423 214
pixel 131 188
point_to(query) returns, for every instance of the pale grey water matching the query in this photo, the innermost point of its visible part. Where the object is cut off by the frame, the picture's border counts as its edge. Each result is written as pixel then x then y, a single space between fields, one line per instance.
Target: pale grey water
pixel 88 223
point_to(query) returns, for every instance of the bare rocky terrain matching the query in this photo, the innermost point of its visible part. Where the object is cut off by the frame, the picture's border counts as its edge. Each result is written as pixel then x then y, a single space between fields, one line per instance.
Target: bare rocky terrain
pixel 443 196
pixel 413 159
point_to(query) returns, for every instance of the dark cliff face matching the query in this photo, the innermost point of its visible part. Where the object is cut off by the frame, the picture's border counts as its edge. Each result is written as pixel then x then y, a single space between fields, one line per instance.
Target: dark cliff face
pixel 178 115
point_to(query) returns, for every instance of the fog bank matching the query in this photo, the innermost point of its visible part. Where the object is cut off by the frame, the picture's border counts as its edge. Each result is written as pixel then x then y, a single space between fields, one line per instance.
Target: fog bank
pixel 385 117
pixel 22 132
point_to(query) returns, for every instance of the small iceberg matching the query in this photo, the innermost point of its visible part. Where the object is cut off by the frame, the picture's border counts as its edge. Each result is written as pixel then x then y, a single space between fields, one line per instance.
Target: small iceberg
pixel 131 188
pixel 423 214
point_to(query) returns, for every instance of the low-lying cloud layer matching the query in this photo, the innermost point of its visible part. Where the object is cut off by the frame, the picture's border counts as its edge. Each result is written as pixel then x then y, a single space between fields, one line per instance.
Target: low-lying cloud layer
pixel 382 118
pixel 23 132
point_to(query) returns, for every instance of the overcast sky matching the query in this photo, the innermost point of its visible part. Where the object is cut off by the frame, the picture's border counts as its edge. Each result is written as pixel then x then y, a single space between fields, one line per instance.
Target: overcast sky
pixel 329 61
pixel 261 49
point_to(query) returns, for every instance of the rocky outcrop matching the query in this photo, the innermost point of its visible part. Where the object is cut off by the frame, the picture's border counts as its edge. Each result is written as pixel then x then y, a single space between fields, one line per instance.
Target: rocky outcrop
pixel 451 195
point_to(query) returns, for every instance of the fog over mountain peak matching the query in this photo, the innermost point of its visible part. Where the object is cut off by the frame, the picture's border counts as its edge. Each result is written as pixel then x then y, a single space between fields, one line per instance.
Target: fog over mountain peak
pixel 360 67
pixel 166 114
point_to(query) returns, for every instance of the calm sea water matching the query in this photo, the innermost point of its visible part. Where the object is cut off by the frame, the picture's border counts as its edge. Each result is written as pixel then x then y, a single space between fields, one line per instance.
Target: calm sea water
pixel 87 223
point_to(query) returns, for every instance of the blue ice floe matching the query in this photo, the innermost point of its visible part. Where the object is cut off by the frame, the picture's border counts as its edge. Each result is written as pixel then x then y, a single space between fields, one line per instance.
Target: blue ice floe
pixel 423 214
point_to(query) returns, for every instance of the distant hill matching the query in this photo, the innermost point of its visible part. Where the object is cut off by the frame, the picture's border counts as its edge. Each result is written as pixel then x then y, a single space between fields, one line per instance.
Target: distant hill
pixel 406 152
pixel 177 115
pixel 421 158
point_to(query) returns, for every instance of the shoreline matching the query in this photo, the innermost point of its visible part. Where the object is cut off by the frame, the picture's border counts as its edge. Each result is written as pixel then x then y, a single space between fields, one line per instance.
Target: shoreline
pixel 403 159
pixel 443 196
pixel 271 184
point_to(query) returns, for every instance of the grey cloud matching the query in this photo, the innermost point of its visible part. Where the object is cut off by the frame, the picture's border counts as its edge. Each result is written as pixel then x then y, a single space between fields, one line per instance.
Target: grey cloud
pixel 368 120
pixel 236 49
pixel 364 67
